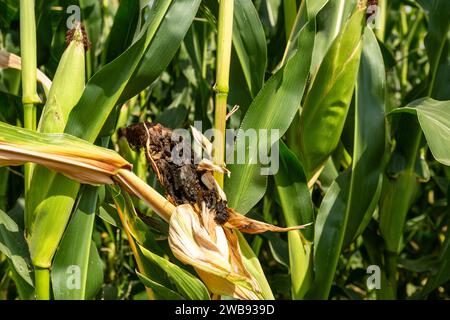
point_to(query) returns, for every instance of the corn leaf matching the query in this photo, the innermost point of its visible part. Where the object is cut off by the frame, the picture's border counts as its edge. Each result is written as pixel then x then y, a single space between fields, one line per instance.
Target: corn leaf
pixel 160 291
pixel 314 6
pixel 250 44
pixel 73 255
pixel 331 19
pixel 187 284
pixel 328 236
pixel 122 30
pixel 14 246
pixel 369 136
pixel 295 200
pixel 104 90
pixel 434 119
pixel 253 266
pixel 283 91
pixel 328 100
pixel 165 44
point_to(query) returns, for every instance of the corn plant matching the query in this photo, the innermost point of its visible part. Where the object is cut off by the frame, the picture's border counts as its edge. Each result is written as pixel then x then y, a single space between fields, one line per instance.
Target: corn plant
pixel 333 182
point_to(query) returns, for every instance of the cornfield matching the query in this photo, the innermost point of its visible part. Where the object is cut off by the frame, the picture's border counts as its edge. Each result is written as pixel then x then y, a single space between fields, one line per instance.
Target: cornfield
pixel 224 149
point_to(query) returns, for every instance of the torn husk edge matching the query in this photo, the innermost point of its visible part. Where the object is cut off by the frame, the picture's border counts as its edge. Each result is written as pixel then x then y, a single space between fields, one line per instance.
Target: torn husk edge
pixel 10 60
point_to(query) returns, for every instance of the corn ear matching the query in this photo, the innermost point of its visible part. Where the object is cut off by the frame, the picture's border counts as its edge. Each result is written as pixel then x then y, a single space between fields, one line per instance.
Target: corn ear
pixel 67 88
pixel 51 197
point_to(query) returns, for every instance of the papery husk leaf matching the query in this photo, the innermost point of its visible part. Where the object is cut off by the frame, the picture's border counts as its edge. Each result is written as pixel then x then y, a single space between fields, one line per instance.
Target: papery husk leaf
pixel 214 255
pixel 251 226
pixel 73 157
pixel 10 60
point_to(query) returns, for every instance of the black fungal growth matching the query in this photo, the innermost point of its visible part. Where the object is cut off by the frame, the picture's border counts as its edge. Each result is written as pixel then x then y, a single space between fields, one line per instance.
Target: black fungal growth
pixel 182 182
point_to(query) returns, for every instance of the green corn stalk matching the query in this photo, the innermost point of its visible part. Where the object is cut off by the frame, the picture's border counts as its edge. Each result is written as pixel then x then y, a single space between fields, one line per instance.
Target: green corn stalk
pixel 49 208
pixel 29 73
pixel 225 33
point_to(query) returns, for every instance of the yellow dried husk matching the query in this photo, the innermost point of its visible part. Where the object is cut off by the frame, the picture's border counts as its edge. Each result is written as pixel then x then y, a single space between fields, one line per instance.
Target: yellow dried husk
pixel 10 60
pixel 213 251
pixel 73 157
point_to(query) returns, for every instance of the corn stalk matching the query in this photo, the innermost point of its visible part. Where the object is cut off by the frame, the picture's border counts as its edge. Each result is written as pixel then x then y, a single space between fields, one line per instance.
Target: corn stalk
pixel 29 73
pixel 224 42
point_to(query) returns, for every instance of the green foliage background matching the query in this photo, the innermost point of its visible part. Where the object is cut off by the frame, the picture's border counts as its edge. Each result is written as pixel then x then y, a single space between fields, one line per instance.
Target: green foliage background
pixel 367 111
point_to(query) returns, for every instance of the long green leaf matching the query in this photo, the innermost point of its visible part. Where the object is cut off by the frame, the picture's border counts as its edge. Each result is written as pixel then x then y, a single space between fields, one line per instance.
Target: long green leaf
pixel 105 88
pixel 327 103
pixel 295 199
pixel 72 258
pixel 314 6
pixel 250 44
pixel 397 197
pixel 165 44
pixel 329 236
pixel 14 246
pixel 331 20
pixel 273 108
pixel 187 284
pixel 122 30
pixel 160 291
pixel 369 136
pixel 253 266
pixel 434 119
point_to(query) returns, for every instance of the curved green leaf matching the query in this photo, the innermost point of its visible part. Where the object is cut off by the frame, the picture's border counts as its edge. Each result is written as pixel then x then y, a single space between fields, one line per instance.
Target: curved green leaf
pixel 72 258
pixel 329 235
pixel 273 108
pixel 123 29
pixel 331 20
pixel 165 44
pixel 159 290
pixel 250 44
pixel 314 6
pixel 14 246
pixel 434 119
pixel 187 284
pixel 327 102
pixel 295 199
pixel 253 266
pixel 369 138
pixel 104 89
